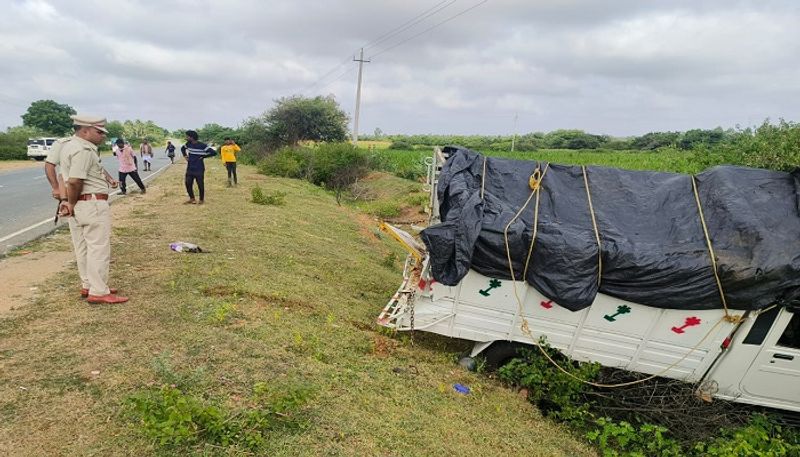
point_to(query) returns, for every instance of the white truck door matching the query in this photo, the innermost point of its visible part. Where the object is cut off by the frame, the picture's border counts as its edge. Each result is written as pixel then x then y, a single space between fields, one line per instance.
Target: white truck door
pixel 775 372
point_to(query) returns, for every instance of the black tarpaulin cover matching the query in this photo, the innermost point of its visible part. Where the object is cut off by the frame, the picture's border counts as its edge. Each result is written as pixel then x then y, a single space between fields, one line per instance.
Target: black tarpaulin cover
pixel 654 251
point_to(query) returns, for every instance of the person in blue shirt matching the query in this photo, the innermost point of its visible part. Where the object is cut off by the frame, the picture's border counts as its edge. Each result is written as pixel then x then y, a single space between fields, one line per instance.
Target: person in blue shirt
pixel 194 152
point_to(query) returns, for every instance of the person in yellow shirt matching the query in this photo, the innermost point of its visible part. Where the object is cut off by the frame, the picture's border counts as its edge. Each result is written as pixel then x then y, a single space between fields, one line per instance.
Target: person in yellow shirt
pixel 228 154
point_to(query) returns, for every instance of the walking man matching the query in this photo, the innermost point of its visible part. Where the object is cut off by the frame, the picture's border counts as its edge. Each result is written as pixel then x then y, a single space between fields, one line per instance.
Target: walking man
pixel 228 155
pixel 194 152
pixel 171 151
pixel 87 203
pixel 127 166
pixel 146 152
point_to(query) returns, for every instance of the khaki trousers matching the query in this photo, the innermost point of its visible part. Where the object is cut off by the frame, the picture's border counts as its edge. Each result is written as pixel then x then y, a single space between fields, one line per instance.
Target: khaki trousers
pixel 93 223
pixel 79 247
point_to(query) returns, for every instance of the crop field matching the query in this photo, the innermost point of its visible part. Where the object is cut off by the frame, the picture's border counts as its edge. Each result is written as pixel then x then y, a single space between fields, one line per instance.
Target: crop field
pixel 410 163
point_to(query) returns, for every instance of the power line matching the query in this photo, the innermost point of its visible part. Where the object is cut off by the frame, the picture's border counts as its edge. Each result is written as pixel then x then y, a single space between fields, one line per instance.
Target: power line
pixel 332 70
pixel 391 33
pixel 429 29
pixel 410 23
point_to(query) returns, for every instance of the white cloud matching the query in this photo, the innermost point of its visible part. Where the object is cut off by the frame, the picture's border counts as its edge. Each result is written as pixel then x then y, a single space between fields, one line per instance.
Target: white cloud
pixel 621 67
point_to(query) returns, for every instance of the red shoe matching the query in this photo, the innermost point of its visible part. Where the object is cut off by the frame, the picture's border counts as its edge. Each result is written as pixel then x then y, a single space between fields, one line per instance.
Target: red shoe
pixel 85 292
pixel 109 299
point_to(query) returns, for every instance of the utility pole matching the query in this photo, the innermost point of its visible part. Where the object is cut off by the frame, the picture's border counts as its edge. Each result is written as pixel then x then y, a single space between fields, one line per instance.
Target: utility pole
pixel 514 138
pixel 360 61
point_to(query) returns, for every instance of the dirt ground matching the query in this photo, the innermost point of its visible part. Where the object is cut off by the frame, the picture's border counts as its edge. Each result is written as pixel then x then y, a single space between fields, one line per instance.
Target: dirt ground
pixel 17 164
pixel 20 276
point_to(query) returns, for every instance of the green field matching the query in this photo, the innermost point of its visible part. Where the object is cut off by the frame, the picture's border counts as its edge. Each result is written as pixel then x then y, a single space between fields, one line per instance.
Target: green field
pixel 410 163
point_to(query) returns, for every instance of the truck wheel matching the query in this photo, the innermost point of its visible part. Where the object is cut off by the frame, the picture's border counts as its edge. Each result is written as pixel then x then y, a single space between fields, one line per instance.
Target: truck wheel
pixel 39 159
pixel 501 352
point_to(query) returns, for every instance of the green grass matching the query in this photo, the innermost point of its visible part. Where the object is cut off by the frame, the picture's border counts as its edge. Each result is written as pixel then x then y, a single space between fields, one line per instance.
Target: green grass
pixel 285 297
pixel 410 163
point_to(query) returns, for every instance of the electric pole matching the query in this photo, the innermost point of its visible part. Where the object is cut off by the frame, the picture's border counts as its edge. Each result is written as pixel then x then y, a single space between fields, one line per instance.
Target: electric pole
pixel 514 138
pixel 360 61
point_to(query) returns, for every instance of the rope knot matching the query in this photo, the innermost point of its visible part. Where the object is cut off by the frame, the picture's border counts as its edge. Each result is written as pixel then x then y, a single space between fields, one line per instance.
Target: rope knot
pixel 733 319
pixel 536 179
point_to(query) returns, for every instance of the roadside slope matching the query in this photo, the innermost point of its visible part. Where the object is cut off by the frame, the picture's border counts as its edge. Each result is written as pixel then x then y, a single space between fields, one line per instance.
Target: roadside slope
pixel 285 296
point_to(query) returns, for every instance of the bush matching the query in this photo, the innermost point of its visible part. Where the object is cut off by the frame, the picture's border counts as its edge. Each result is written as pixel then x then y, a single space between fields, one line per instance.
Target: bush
pixel 775 147
pixel 14 143
pixel 174 418
pixel 399 144
pixel 273 198
pixel 286 162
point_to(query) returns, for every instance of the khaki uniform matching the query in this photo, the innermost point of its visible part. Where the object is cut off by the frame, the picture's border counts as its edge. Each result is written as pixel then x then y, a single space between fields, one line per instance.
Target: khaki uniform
pixel 78 243
pixel 92 218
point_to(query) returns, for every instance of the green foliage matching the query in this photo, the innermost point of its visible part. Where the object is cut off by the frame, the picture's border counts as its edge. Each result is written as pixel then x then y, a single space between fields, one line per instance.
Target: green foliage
pixel 50 117
pixel 176 418
pixel 286 162
pixel 335 166
pixel 557 394
pixel 295 119
pixel 772 146
pixel 276 198
pixel 760 437
pixel 137 130
pixel 561 397
pixel 400 144
pixel 621 438
pixel 14 142
pixel 215 133
pixel 115 130
pixel 383 209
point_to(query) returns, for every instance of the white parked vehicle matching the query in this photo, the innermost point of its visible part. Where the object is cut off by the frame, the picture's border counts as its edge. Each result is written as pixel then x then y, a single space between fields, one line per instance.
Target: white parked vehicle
pixel 747 356
pixel 39 147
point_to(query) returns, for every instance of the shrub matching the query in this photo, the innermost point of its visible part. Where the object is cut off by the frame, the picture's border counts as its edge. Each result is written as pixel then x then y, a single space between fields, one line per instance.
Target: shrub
pixel 287 162
pixel 173 417
pixel 776 147
pixel 336 166
pixel 14 143
pixel 276 198
pixel 400 144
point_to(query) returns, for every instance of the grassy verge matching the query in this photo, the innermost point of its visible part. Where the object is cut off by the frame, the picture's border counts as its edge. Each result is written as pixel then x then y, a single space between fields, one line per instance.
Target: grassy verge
pixel 264 344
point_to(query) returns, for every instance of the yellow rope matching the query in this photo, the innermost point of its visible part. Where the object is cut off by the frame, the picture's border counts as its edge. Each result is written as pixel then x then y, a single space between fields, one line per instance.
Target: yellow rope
pixel 535 183
pixel 596 231
pixel 526 328
pixel 728 317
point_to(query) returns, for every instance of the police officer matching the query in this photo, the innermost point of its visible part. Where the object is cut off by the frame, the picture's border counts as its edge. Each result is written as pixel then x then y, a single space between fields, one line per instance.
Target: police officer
pixel 87 192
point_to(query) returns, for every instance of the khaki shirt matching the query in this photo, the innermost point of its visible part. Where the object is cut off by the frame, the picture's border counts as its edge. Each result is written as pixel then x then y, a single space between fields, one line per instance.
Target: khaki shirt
pixel 79 159
pixel 54 155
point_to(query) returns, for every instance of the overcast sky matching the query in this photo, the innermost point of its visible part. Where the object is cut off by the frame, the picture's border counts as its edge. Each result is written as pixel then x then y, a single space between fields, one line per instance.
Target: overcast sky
pixel 623 67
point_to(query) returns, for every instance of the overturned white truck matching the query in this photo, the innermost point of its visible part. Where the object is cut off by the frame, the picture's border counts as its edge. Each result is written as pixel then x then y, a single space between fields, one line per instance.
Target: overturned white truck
pixel 695 278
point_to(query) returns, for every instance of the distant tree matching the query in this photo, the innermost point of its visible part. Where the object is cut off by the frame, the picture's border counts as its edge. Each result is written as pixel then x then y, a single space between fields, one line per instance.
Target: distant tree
pixel 49 116
pixel 216 133
pixel 295 119
pixel 378 133
pixel 655 140
pixel 138 130
pixel 115 129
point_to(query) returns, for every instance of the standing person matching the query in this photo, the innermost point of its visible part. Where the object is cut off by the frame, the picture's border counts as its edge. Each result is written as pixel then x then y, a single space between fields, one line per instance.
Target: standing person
pixel 171 151
pixel 59 192
pixel 194 151
pixel 87 203
pixel 127 166
pixel 147 154
pixel 228 155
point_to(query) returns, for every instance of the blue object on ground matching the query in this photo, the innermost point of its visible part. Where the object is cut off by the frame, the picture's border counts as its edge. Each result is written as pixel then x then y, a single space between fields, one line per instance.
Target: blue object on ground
pixel 461 388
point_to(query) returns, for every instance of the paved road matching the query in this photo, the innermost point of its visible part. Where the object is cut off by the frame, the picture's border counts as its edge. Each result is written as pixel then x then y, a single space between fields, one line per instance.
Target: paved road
pixel 25 199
